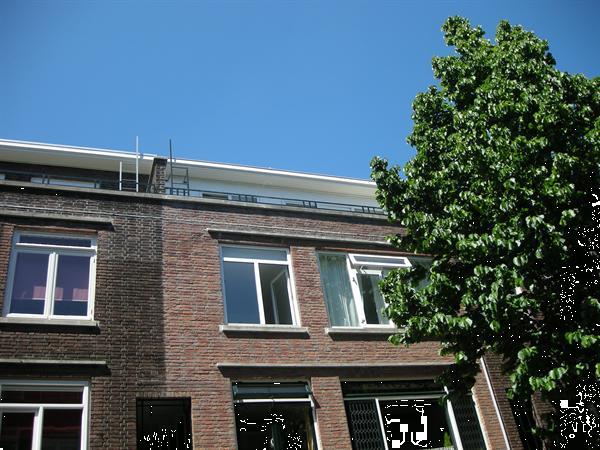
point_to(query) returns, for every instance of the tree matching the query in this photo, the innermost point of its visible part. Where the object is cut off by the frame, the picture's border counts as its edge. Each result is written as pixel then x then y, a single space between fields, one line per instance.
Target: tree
pixel 504 193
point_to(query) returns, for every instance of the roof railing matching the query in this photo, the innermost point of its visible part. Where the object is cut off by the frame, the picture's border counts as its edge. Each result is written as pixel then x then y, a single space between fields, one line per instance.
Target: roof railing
pixel 130 186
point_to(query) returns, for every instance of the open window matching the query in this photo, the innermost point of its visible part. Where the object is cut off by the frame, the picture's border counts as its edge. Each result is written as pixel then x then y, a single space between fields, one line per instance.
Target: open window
pixel 51 276
pixel 409 415
pixel 274 416
pixel 43 415
pixel 257 286
pixel 351 287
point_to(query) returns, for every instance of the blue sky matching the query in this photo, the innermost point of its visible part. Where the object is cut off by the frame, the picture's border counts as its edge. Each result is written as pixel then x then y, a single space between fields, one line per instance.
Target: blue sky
pixel 316 86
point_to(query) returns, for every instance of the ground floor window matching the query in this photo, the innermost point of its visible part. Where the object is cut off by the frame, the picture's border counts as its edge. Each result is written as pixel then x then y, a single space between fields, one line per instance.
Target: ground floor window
pixel 274 416
pixel 408 415
pixel 36 416
pixel 164 424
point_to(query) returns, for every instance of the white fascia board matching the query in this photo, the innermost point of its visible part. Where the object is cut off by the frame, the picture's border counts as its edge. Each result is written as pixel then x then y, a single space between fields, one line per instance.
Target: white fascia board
pixel 104 159
pixel 279 178
pixel 70 156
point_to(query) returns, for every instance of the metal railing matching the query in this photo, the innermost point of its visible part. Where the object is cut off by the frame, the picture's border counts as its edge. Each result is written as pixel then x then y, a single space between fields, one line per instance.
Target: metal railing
pixel 268 200
pixel 133 186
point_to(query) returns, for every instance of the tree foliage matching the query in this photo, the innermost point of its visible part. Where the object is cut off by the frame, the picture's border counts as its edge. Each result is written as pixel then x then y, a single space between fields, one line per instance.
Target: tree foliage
pixel 504 192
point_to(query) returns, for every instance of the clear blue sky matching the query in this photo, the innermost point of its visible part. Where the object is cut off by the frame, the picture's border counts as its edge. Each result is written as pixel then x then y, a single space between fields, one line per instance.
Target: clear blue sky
pixel 317 86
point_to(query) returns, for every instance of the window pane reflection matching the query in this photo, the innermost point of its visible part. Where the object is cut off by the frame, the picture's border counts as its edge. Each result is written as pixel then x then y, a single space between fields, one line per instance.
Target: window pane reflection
pixel 16 430
pixel 29 285
pixel 61 429
pixel 72 285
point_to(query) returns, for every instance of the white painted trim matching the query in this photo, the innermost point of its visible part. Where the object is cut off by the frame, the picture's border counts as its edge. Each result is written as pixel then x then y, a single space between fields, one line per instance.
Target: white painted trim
pixel 38 408
pixel 294 311
pixel 454 426
pixel 24 146
pixel 381 423
pixel 355 260
pixel 496 408
pixel 53 252
pixel 273 400
pixel 353 271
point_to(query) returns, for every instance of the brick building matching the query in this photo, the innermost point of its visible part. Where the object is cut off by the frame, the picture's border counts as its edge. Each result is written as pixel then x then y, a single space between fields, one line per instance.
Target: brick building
pixel 149 303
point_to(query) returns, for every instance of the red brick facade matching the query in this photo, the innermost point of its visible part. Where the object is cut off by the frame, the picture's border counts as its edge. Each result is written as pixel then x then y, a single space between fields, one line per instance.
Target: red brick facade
pixel 159 304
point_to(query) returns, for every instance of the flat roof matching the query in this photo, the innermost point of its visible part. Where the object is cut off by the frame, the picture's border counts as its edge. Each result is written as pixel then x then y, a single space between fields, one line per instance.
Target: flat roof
pixel 107 159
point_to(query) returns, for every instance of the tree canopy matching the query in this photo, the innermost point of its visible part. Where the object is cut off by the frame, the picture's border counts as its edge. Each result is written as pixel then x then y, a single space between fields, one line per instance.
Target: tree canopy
pixel 504 193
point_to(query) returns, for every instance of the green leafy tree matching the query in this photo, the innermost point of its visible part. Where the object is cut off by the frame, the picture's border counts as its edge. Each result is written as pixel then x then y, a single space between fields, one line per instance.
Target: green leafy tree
pixel 504 193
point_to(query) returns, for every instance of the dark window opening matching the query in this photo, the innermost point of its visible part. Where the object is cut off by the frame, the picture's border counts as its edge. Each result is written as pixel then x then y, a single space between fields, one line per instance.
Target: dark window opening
pixel 164 424
pixel 274 416
pixel 523 414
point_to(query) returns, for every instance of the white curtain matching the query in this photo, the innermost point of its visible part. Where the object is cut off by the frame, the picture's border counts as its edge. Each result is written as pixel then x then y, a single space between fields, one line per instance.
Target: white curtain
pixel 337 290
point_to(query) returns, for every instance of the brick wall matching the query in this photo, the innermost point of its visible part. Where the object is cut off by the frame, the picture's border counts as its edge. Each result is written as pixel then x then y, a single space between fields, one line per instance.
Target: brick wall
pixel 159 303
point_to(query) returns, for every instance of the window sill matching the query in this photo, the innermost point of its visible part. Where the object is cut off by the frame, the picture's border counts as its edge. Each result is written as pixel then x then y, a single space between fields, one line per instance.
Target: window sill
pixel 250 330
pixel 360 333
pixel 45 322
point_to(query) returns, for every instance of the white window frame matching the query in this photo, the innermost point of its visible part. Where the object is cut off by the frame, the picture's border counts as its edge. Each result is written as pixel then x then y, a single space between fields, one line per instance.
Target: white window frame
pixel 291 286
pixel 53 252
pixel 354 267
pixel 38 408
pixel 452 425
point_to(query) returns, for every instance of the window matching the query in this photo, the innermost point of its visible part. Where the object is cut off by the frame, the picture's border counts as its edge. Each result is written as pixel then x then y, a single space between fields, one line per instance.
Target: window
pixel 408 415
pixel 351 287
pixel 257 286
pixel 51 276
pixel 42 416
pixel 274 416
pixel 164 423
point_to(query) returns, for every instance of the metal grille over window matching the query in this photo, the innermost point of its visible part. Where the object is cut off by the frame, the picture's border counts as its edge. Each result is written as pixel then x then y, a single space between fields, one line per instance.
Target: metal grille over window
pixel 274 416
pixel 363 421
pixel 468 425
pixel 409 415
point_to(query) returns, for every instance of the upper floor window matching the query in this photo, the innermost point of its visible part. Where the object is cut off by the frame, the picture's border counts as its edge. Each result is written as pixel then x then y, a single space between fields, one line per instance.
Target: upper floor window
pixel 257 286
pixel 351 287
pixel 51 276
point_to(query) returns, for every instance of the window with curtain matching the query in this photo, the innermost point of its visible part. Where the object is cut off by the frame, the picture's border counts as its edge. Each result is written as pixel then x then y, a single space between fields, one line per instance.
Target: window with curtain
pixel 350 285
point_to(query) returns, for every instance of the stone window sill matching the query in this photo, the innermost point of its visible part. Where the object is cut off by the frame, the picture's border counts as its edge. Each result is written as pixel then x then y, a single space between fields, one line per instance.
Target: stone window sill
pixel 45 322
pixel 251 330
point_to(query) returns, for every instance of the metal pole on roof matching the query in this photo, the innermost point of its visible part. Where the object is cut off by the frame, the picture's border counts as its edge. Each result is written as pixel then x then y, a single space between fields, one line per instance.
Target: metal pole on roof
pixel 137 163
pixel 171 159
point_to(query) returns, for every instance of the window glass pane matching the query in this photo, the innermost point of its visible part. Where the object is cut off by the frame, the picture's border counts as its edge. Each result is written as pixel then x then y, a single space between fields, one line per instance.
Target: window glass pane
pixel 16 430
pixel 72 285
pixel 337 290
pixel 55 240
pixel 61 429
pixel 29 284
pixel 255 253
pixel 372 299
pixel 415 424
pixel 32 396
pixel 240 293
pixel 276 301
pixel 278 426
pixel 164 424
